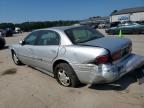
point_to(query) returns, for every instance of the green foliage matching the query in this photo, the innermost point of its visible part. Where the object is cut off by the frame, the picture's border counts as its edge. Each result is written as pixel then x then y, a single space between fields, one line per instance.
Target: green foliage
pixel 7 25
pixel 28 26
pixel 114 11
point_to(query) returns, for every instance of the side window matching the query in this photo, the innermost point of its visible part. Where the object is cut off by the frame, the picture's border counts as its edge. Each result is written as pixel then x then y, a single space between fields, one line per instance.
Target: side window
pixel 48 38
pixel 31 39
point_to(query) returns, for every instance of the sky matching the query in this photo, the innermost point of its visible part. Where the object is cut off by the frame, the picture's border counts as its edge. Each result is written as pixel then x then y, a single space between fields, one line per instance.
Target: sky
pixel 18 11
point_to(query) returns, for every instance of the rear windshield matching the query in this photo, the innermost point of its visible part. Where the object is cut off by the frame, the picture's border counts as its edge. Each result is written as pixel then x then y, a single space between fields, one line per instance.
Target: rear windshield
pixel 82 34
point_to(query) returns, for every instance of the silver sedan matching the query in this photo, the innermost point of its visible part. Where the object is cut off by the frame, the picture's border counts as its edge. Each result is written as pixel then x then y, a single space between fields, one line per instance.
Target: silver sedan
pixel 77 54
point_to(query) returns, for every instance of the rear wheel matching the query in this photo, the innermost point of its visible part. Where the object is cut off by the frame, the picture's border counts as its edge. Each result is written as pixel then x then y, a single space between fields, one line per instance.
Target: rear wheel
pixel 15 59
pixel 65 75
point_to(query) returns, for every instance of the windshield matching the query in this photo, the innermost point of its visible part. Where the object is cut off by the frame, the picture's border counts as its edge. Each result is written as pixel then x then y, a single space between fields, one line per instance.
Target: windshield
pixel 82 34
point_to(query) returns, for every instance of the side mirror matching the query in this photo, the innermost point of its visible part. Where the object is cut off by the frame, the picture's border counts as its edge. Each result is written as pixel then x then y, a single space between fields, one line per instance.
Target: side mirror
pixel 22 42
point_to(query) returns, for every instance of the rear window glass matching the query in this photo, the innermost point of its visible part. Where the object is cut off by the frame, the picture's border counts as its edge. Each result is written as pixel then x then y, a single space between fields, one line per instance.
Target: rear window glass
pixel 82 34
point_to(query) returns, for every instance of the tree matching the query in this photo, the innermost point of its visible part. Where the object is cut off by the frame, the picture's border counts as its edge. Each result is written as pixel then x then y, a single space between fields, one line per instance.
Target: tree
pixel 114 12
pixel 28 26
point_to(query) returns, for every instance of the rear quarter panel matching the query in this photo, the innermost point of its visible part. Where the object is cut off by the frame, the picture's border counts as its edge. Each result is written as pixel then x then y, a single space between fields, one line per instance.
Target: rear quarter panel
pixel 80 54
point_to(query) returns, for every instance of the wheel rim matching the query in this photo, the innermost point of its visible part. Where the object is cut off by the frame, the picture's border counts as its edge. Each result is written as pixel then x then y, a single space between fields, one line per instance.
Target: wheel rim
pixel 15 58
pixel 63 78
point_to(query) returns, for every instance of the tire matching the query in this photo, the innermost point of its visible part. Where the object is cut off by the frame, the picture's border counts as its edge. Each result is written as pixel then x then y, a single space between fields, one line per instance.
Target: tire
pixel 2 44
pixel 15 59
pixel 65 75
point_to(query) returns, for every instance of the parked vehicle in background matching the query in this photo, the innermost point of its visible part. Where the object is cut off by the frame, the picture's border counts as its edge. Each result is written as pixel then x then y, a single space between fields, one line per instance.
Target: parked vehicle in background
pixel 2 42
pixel 8 32
pixel 94 26
pixel 2 32
pixel 101 26
pixel 17 30
pixel 126 28
pixel 75 54
pixel 107 25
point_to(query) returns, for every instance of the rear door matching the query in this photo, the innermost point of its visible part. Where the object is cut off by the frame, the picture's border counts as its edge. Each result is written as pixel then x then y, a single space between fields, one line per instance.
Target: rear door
pixel 47 49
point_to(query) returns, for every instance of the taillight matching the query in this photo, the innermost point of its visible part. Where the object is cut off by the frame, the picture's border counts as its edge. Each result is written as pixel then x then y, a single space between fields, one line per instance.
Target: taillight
pixel 102 59
pixel 116 56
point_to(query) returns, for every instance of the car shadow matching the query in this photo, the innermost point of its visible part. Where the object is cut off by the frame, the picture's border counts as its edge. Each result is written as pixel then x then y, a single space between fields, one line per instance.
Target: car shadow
pixel 118 85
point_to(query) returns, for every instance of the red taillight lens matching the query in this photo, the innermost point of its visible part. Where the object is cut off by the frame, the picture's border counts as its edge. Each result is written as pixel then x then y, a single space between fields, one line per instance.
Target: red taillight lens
pixel 102 59
pixel 116 55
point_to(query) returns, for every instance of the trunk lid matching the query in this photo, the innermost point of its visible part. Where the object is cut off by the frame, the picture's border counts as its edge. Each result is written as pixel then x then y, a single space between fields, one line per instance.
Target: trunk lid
pixel 113 44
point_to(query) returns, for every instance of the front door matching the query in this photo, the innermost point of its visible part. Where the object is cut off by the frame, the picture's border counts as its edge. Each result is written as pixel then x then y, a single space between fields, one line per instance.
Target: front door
pixel 25 51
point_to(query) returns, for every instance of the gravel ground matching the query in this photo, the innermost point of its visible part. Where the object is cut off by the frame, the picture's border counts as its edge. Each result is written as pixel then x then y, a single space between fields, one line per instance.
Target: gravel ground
pixel 25 87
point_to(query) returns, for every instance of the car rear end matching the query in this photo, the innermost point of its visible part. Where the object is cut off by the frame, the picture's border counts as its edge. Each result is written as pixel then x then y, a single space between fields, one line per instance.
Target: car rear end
pixel 113 66
pixel 110 66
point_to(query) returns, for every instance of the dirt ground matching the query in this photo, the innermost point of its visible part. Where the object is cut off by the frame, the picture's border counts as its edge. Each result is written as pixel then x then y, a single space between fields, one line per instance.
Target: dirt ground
pixel 24 87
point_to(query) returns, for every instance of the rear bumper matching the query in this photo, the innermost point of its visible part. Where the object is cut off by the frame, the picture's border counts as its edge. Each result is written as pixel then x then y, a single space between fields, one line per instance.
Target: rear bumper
pixel 90 73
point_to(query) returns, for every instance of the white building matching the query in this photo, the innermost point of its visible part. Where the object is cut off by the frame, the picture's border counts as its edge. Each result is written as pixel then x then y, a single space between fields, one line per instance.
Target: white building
pixel 130 14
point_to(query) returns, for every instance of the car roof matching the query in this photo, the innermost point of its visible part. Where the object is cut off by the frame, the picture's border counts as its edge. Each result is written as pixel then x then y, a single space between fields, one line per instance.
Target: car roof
pixel 62 28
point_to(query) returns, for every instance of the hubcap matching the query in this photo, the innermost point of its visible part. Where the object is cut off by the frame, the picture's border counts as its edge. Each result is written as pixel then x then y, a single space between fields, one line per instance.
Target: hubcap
pixel 63 78
pixel 15 58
